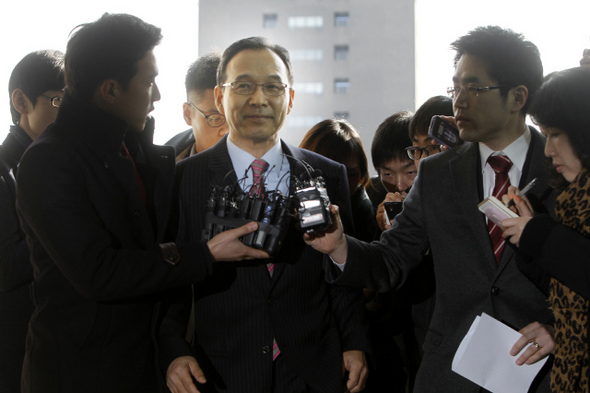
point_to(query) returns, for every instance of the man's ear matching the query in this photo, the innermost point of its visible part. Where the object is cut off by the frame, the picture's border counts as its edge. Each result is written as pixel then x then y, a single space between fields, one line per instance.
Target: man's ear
pixel 21 102
pixel 109 90
pixel 219 100
pixel 291 98
pixel 520 94
pixel 187 113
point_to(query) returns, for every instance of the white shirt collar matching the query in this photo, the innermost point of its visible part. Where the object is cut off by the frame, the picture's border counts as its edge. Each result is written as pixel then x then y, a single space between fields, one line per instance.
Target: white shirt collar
pixel 241 161
pixel 516 151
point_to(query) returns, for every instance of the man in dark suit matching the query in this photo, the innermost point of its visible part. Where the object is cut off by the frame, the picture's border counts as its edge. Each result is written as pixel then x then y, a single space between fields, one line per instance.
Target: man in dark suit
pixel 94 198
pixel 262 328
pixel 35 90
pixel 199 111
pixel 496 74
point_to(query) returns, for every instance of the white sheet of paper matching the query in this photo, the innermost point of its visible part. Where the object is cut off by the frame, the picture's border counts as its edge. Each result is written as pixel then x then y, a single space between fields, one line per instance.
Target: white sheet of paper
pixel 484 357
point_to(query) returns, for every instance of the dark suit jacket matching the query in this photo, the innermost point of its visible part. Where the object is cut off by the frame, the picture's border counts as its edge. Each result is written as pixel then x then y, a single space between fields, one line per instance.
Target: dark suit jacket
pixel 240 308
pixel 441 212
pixel 94 250
pixel 16 272
pixel 181 142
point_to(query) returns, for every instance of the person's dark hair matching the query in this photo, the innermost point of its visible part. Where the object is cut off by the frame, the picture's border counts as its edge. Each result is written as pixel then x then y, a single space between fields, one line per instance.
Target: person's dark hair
pixel 337 140
pixel 391 139
pixel 202 74
pixel 562 102
pixel 509 59
pixel 36 73
pixel 254 43
pixel 108 48
pixel 437 105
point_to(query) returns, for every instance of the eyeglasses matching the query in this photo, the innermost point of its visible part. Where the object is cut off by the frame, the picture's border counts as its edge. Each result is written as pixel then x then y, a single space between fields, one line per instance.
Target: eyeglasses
pixel 471 91
pixel 415 153
pixel 214 119
pixel 55 101
pixel 271 89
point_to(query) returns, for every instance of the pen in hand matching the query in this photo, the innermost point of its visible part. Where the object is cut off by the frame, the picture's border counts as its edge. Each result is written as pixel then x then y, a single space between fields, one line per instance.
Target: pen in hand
pixel 522 192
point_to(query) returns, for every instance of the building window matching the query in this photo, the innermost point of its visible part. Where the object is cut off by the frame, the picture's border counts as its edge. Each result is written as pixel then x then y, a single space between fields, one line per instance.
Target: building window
pixel 341 86
pixel 269 21
pixel 309 88
pixel 306 22
pixel 306 54
pixel 340 52
pixel 342 115
pixel 341 19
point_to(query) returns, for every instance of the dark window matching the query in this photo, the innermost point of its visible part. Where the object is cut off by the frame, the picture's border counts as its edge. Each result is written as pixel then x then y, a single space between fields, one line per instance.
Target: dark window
pixel 341 86
pixel 269 21
pixel 341 19
pixel 340 52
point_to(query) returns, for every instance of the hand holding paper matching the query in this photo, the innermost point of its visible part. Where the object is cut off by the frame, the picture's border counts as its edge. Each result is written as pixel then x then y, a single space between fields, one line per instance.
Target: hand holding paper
pixel 484 358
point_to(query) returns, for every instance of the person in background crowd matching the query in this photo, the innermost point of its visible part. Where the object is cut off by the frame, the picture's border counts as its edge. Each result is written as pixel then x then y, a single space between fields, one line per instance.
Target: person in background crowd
pixel 199 111
pixel 35 90
pixel 395 171
pixel 422 144
pixel 338 140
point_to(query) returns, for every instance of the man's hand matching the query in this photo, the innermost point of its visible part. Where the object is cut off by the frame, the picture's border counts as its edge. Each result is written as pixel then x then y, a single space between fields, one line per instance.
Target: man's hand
pixel 227 246
pixel 331 241
pixel 356 364
pixel 381 217
pixel 542 338
pixel 178 376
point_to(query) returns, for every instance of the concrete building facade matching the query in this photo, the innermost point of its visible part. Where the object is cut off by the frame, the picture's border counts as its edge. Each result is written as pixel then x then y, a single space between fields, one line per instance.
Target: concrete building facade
pixel 351 58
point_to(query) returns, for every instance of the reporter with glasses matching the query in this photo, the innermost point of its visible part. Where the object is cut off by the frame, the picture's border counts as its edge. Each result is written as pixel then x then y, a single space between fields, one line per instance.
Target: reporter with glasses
pixel 496 74
pixel 422 144
pixel 556 250
pixel 199 111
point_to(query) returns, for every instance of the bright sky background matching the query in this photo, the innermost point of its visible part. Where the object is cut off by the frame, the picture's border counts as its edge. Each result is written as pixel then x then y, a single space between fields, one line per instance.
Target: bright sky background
pixel 560 30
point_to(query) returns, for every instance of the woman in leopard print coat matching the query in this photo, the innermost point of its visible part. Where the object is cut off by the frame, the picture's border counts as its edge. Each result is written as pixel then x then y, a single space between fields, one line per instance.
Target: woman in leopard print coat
pixel 561 249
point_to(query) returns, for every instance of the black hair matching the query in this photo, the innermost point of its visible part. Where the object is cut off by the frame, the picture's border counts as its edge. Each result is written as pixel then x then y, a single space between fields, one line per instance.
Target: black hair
pixel 437 105
pixel 202 74
pixel 338 140
pixel 254 43
pixel 509 59
pixel 391 139
pixel 36 73
pixel 109 47
pixel 563 102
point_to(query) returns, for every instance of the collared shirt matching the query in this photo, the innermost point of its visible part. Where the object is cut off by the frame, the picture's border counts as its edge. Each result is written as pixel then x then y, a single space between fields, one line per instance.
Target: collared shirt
pixel 516 152
pixel 277 176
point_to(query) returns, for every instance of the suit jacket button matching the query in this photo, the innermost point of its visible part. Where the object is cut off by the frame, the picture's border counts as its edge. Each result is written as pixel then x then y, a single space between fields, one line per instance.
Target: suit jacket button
pixel 270 302
pixel 107 165
pixel 136 213
pixel 266 349
pixel 495 291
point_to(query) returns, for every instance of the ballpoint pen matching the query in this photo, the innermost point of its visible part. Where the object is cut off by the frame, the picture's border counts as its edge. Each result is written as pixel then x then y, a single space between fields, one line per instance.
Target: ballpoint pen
pixel 522 192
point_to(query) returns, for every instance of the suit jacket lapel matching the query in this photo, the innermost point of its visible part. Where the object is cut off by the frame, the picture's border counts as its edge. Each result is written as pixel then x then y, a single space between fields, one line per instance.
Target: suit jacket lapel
pixel 220 165
pixel 534 167
pixel 466 183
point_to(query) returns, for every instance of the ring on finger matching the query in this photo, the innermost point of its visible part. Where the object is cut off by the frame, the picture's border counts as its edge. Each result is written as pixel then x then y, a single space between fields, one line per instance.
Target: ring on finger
pixel 536 345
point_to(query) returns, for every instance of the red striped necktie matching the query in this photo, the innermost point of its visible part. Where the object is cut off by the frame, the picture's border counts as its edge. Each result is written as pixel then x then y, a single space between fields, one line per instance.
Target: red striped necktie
pixel 259 167
pixel 501 165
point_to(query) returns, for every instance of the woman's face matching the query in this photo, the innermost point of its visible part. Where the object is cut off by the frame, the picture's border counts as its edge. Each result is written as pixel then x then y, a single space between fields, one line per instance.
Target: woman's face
pixel 562 155
pixel 353 170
